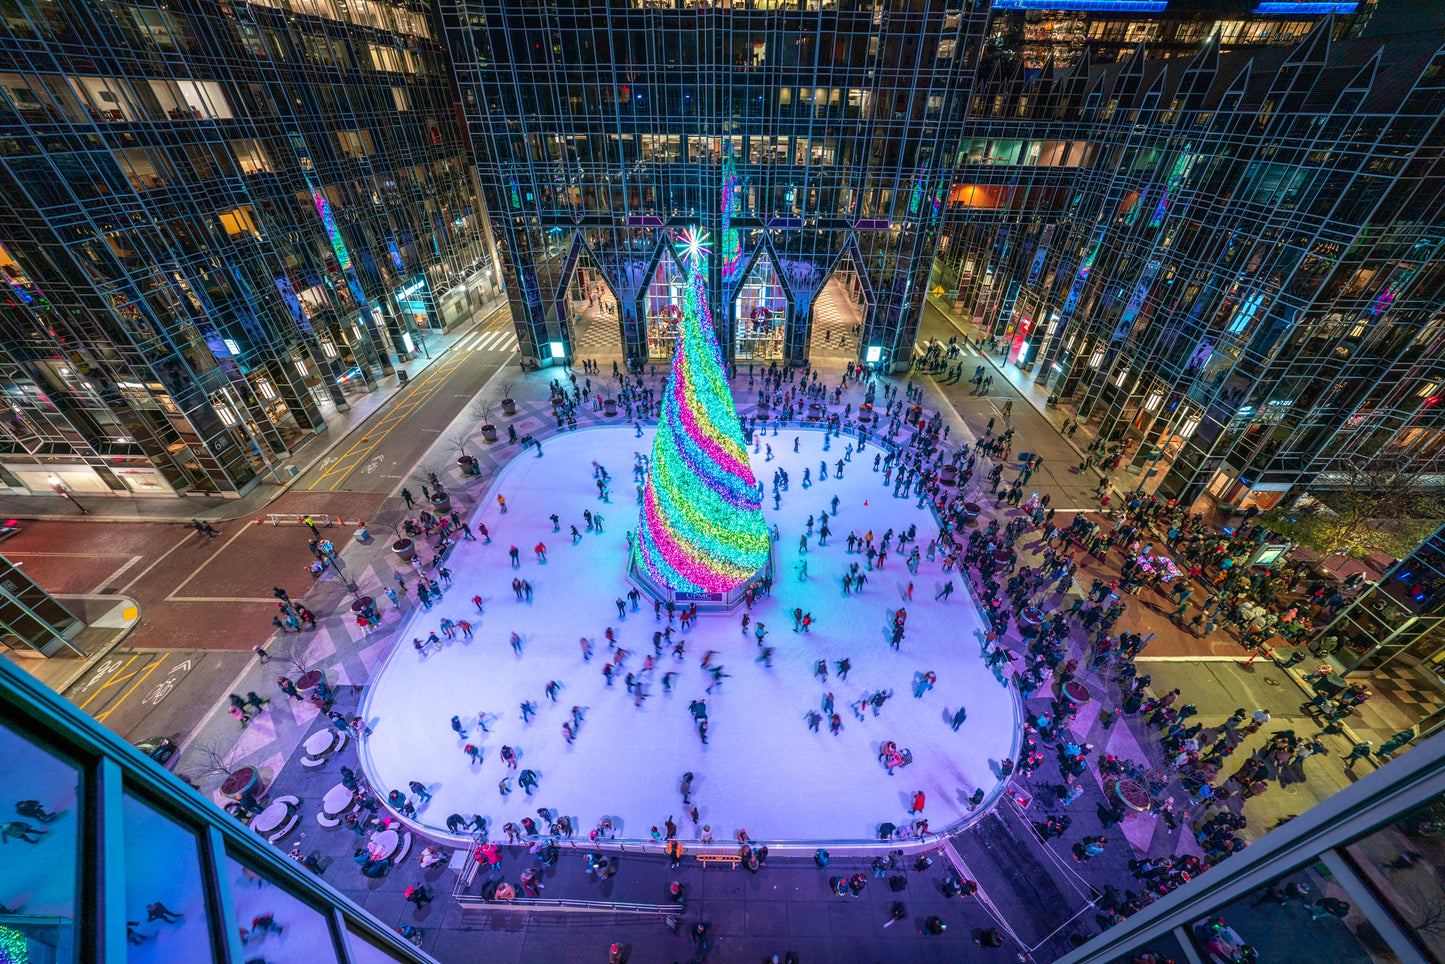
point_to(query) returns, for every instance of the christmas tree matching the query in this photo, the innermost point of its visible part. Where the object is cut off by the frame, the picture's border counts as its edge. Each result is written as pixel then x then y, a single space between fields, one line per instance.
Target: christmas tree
pixel 701 527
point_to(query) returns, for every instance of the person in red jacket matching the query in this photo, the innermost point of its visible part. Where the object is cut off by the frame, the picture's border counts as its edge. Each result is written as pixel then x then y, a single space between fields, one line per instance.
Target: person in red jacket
pixel 917 802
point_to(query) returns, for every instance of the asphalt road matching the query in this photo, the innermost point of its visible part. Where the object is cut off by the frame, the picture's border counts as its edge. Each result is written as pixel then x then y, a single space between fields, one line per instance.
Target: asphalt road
pixel 381 452
pixel 147 693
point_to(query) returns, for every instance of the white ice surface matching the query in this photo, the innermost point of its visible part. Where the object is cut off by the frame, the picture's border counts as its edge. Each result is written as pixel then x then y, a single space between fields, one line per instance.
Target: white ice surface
pixel 762 769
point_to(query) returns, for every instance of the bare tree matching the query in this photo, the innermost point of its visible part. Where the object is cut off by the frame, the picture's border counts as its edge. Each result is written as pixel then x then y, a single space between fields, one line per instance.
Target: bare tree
pixel 292 650
pixel 212 759
pixel 390 520
pixel 506 386
pixel 460 441
pixel 483 407
pixel 424 471
pixel 1377 504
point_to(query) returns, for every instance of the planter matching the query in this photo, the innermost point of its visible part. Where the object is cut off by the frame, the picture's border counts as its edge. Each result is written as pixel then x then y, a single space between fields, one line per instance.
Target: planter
pixel 239 782
pixel 1131 793
pixel 309 680
pixel 489 432
pixel 948 475
pixel 765 402
pixel 509 406
pixel 441 504
pixel 971 511
pixel 405 549
pixel 1075 691
pixel 609 407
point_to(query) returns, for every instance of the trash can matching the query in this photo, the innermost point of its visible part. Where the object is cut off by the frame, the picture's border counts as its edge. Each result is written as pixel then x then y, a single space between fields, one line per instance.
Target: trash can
pixel 401 376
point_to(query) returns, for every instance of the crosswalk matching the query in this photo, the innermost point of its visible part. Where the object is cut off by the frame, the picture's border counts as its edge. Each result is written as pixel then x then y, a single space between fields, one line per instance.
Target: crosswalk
pixel 502 340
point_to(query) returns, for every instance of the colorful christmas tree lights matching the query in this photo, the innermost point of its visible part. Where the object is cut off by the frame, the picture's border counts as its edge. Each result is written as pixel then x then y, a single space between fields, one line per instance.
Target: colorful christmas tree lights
pixel 701 527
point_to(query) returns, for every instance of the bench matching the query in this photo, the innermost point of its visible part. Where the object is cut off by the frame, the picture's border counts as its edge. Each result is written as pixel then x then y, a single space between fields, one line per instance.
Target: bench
pixel 732 860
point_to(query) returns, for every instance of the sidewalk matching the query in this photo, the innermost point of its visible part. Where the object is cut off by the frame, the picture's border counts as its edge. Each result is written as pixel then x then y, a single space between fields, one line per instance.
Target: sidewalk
pixel 339 425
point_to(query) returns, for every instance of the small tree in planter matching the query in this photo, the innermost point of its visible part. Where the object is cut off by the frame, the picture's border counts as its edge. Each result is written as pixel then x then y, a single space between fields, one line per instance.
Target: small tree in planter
pixel 482 409
pixel 392 521
pixel 295 653
pixel 509 405
pixel 213 762
pixel 461 443
pixel 609 404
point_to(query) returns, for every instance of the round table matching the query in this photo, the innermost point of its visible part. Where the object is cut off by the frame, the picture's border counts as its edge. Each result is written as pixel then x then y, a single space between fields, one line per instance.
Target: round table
pixel 322 741
pixel 1030 616
pixel 337 801
pixel 385 844
pixel 271 819
pixel 1000 556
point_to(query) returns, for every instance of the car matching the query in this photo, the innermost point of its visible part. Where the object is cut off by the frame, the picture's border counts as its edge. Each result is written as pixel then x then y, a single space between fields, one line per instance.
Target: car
pixel 158 748
pixel 9 528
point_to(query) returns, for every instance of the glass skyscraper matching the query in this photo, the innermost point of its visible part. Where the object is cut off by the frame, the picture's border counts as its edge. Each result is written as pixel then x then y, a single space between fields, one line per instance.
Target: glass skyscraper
pixel 221 221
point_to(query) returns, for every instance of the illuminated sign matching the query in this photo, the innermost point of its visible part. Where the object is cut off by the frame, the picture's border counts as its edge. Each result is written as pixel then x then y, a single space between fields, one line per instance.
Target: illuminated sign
pixel 1128 6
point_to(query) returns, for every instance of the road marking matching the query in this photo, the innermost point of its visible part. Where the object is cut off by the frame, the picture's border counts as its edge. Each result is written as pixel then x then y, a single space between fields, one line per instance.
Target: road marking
pixel 116 575
pixel 413 399
pixel 218 599
pixel 209 559
pixel 112 681
pixel 116 705
pixel 183 540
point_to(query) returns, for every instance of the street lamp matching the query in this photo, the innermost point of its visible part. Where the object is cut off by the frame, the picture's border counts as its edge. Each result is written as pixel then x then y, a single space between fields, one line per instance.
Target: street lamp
pixel 63 492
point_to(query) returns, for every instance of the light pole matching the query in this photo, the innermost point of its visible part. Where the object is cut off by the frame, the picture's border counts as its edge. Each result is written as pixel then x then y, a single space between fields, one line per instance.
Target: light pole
pixel 63 492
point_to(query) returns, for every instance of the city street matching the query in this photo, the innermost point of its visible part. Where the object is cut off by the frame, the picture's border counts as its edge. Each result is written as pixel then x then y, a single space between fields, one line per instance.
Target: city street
pixel 378 455
pixel 205 602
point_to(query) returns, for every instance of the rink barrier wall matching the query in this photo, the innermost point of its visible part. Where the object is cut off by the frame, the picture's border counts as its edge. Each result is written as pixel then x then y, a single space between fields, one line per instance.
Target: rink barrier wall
pixel 645 846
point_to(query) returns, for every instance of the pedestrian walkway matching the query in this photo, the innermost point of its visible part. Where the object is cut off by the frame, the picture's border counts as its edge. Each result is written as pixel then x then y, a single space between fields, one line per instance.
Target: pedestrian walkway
pixel 836 323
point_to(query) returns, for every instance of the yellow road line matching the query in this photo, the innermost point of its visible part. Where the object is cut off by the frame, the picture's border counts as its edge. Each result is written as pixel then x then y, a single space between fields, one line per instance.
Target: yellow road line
pixel 116 705
pixel 112 681
pixel 415 396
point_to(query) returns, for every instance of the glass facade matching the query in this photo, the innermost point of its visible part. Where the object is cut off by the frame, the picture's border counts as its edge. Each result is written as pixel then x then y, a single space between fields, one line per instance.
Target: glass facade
pixel 107 857
pixel 1227 263
pixel 220 223
pixel 605 129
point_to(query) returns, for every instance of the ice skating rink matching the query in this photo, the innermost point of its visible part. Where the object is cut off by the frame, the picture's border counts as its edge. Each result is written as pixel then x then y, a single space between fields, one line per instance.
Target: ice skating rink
pixel 763 769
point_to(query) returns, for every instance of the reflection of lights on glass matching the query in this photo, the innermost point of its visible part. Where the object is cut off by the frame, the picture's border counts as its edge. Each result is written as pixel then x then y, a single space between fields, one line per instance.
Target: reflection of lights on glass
pixel 406 340
pixel 1187 429
pixel 264 387
pixel 1096 359
pixel 227 416
pixel 874 354
pixel 1123 377
pixel 328 348
pixel 1152 402
pixel 301 367
pixel 1023 352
